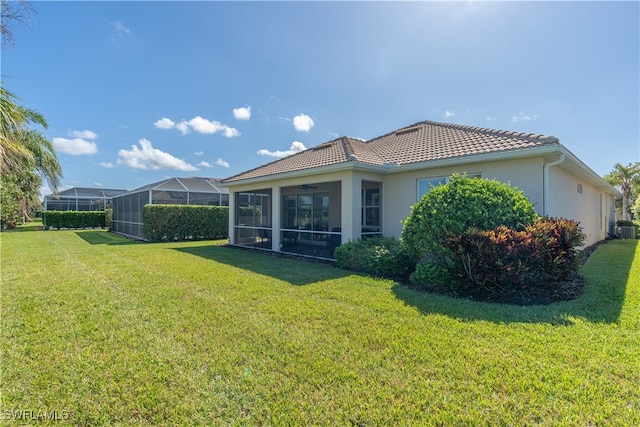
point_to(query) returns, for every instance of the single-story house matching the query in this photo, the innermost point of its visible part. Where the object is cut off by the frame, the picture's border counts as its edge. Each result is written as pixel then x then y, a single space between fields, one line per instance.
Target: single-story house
pixel 312 201
pixel 128 207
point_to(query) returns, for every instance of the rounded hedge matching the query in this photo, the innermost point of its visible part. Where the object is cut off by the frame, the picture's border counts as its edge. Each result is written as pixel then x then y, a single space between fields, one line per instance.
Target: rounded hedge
pixel 377 255
pixel 461 204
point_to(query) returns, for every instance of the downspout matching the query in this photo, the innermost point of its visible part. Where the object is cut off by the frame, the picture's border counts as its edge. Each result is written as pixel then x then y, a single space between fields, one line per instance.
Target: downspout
pixel 545 183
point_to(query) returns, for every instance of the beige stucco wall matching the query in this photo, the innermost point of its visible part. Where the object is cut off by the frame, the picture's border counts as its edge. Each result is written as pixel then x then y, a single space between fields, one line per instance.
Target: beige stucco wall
pixel 592 208
pixel 399 191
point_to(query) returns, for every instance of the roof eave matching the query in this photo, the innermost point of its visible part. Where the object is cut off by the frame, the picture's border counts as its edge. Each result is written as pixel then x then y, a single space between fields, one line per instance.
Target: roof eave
pixel 336 167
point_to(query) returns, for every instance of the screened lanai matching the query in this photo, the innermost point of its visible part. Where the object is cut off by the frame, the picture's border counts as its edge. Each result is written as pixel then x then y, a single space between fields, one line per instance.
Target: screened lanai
pixel 127 208
pixel 81 199
pixel 304 219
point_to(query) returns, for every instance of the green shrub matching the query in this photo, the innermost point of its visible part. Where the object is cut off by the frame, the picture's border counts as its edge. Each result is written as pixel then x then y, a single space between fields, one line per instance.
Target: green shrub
pixel 432 274
pixel 378 256
pixel 75 219
pixel 184 222
pixel 108 219
pixel 9 208
pixel 462 204
pixel 624 223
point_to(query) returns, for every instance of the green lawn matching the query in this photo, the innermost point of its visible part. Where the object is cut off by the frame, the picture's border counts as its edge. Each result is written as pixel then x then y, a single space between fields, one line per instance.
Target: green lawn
pixel 107 331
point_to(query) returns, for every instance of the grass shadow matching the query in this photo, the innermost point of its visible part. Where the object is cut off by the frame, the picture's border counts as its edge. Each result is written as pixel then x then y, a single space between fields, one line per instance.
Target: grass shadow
pixel 35 225
pixel 104 238
pixel 608 271
pixel 296 271
pixel 23 228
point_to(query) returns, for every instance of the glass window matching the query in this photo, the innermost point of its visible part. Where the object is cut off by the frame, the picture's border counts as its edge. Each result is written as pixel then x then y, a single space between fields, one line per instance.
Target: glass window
pixel 426 184
pixel 371 208
pixel 320 211
pixel 304 211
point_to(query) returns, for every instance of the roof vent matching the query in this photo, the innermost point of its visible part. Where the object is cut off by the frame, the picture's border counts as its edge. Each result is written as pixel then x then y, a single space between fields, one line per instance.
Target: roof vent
pixel 322 146
pixel 407 130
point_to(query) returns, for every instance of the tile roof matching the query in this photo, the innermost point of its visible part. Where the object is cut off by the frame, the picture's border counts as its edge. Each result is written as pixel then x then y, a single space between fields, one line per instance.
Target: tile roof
pixel 421 142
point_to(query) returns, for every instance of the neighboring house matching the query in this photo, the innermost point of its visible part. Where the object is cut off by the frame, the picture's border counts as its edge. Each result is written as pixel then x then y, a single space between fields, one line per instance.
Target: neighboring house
pixel 341 190
pixel 81 199
pixel 128 207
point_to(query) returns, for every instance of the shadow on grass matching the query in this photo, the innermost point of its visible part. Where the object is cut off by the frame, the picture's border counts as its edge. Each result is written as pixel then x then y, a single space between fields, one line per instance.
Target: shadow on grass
pixel 23 228
pixel 104 238
pixel 607 272
pixel 297 272
pixel 35 225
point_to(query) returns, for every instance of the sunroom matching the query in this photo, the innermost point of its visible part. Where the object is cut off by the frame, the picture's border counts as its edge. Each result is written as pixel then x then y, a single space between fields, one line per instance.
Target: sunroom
pixel 310 219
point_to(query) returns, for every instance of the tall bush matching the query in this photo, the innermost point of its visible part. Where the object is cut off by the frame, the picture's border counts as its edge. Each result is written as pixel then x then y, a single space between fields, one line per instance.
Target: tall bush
pixel 185 222
pixel 463 203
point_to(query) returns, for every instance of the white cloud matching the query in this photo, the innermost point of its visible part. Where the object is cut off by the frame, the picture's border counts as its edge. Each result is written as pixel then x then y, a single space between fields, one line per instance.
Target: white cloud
pixel 302 123
pixel 231 132
pixel 205 164
pixel 448 113
pixel 121 30
pixel 165 123
pixel 183 127
pixel 148 158
pixel 242 113
pixel 521 116
pixel 199 153
pixel 296 147
pixel 222 163
pixel 79 144
pixel 197 124
pixel 98 184
pixel 83 134
pixel 106 165
pixel 202 125
pixel 75 146
pixel 490 118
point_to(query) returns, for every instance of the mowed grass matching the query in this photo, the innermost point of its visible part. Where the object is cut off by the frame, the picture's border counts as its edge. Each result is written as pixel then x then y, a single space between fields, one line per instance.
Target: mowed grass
pixel 116 332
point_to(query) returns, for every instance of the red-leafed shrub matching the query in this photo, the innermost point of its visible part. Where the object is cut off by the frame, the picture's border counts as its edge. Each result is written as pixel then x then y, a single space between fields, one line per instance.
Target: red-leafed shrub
pixel 499 262
pixel 557 240
pixel 492 261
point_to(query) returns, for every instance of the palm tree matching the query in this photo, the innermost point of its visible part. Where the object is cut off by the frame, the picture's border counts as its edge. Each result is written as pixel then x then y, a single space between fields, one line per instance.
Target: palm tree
pixel 625 179
pixel 22 148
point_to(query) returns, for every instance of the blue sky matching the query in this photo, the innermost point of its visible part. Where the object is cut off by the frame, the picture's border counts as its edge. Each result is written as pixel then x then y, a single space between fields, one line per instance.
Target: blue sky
pixel 136 92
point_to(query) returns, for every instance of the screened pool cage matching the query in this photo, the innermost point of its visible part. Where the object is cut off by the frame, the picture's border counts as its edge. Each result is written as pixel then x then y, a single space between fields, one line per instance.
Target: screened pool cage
pixel 127 207
pixel 81 199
